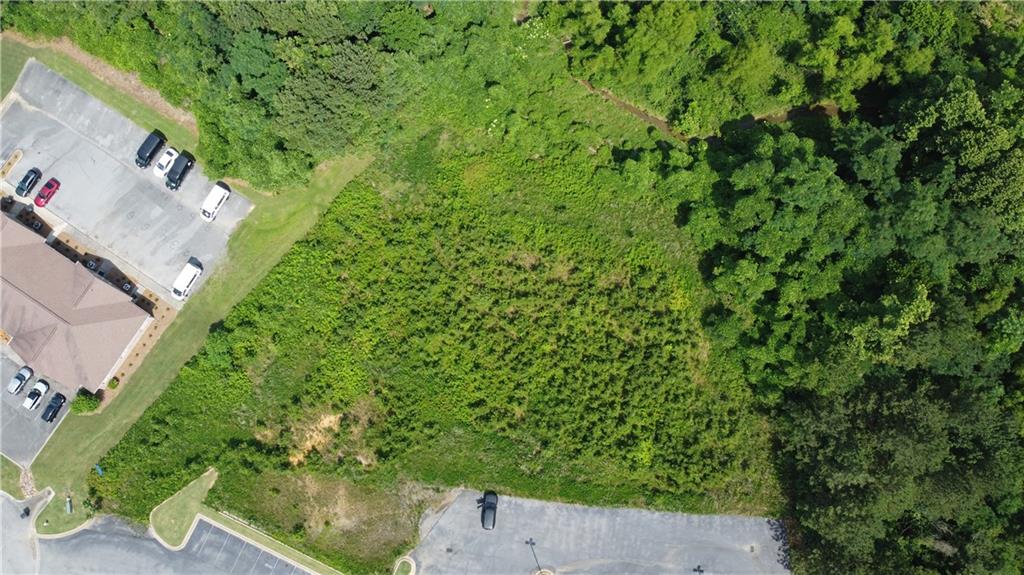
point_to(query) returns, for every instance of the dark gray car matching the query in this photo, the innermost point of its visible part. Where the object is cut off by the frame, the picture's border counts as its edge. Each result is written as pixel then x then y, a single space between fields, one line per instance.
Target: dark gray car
pixel 488 509
pixel 181 166
pixel 53 408
pixel 28 182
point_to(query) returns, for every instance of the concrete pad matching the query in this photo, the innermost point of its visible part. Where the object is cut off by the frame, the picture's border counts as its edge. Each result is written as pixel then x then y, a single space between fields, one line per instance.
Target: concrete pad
pixel 22 432
pixel 578 539
pixel 120 212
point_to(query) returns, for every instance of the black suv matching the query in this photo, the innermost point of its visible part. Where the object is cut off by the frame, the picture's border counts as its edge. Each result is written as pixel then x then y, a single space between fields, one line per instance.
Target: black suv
pixel 182 164
pixel 28 182
pixel 53 408
pixel 147 151
pixel 489 508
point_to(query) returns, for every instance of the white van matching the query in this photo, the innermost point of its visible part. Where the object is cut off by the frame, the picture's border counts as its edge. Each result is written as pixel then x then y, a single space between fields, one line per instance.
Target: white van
pixel 186 279
pixel 214 200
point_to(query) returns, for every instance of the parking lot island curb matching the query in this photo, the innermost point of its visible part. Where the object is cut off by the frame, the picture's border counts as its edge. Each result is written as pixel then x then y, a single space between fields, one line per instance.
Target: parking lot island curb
pixel 51 495
pixel 184 542
pixel 405 560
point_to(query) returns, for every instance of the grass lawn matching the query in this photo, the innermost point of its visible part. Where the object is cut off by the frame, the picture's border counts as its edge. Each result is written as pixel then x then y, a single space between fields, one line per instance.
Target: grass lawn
pixel 276 222
pixel 268 542
pixel 172 518
pixel 403 568
pixel 10 478
pixel 13 55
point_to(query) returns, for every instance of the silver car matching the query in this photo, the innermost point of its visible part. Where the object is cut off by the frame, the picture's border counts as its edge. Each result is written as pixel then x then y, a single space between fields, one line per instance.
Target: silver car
pixel 18 381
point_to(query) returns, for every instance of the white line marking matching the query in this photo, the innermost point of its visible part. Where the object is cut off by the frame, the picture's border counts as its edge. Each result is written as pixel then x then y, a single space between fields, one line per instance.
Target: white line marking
pixel 239 554
pixel 257 561
pixel 221 550
pixel 203 542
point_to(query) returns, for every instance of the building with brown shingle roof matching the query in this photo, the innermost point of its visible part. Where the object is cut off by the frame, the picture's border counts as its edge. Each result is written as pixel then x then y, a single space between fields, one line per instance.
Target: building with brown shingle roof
pixel 63 321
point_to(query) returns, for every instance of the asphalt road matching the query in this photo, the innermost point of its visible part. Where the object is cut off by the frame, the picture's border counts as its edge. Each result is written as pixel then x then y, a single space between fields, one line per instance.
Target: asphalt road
pixel 18 550
pixel 22 432
pixel 122 213
pixel 111 546
pixel 597 541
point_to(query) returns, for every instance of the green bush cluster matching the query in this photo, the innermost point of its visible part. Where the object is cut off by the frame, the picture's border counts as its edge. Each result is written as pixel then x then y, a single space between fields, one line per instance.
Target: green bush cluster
pixel 85 402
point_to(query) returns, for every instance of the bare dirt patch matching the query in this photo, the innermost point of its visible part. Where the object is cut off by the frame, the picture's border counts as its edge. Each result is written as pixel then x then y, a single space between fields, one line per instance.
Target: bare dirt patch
pixel 128 82
pixel 368 523
pixel 27 482
pixel 316 436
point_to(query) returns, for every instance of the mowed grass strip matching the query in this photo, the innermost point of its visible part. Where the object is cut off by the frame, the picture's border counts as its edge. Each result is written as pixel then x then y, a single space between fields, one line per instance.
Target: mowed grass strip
pixel 172 519
pixel 14 54
pixel 10 478
pixel 276 222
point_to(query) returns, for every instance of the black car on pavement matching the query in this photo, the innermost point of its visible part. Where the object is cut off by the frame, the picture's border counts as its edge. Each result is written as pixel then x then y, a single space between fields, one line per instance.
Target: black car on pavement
pixel 488 505
pixel 150 146
pixel 181 166
pixel 53 408
pixel 28 182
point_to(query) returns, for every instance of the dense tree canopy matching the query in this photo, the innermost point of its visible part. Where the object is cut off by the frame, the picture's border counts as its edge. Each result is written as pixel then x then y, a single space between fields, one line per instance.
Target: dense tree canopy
pixel 820 317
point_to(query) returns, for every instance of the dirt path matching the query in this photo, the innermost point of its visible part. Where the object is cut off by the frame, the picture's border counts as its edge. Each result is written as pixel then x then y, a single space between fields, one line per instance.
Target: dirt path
pixel 28 483
pixel 659 123
pixel 128 82
pixel 826 108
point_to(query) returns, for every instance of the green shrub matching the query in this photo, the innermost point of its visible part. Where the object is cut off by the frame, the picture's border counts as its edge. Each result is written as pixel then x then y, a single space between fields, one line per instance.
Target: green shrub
pixel 86 402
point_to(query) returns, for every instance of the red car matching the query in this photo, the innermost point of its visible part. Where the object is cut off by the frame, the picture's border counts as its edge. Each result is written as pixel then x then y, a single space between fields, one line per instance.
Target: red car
pixel 46 194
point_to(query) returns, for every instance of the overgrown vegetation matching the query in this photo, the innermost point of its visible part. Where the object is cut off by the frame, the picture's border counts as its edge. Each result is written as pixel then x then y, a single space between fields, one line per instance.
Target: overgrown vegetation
pixel 533 291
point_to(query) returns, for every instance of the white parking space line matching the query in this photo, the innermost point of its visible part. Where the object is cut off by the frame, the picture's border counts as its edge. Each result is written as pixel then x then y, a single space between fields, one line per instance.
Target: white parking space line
pixel 203 542
pixel 256 563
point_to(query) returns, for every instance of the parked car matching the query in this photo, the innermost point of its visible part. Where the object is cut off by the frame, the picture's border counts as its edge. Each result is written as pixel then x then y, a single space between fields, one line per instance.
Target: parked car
pixel 488 509
pixel 182 164
pixel 163 165
pixel 47 192
pixel 28 181
pixel 186 279
pixel 214 200
pixel 18 381
pixel 150 146
pixel 53 408
pixel 37 393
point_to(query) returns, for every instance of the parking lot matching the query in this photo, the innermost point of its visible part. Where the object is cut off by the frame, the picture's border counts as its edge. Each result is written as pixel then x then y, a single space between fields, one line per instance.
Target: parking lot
pixel 22 432
pixel 118 211
pixel 111 546
pixel 578 539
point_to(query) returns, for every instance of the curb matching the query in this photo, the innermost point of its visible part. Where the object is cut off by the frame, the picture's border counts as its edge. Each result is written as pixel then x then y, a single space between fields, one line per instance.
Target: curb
pixel 218 524
pixel 405 559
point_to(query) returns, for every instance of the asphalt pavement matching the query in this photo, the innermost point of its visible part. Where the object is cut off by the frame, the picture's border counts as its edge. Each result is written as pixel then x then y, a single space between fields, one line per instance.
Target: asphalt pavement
pixel 110 546
pixel 597 541
pixel 18 551
pixel 118 211
pixel 22 432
